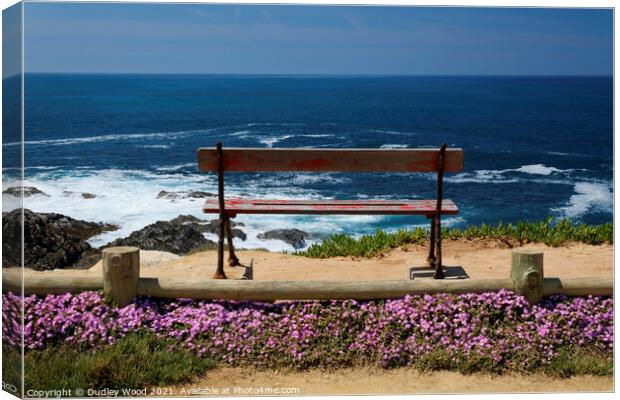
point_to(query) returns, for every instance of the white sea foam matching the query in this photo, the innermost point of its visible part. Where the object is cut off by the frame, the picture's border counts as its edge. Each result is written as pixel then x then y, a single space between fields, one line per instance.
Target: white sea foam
pixel 479 176
pixel 537 169
pixel 128 198
pixel 588 197
pixel 241 134
pixel 394 146
pixel 513 175
pixel 271 140
pixel 318 135
pixel 176 167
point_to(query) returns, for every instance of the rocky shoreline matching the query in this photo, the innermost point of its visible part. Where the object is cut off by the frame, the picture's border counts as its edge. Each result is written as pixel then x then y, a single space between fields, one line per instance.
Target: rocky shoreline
pixel 53 241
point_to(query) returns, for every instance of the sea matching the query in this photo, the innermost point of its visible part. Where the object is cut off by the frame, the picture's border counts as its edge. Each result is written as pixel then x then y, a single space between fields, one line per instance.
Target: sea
pixel 534 147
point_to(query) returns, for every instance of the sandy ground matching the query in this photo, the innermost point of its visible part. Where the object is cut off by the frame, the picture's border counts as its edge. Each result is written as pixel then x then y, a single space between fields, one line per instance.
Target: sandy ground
pixel 375 381
pixel 479 259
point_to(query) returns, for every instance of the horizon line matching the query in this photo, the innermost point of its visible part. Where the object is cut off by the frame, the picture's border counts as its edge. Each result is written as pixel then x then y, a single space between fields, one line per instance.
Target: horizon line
pixel 308 74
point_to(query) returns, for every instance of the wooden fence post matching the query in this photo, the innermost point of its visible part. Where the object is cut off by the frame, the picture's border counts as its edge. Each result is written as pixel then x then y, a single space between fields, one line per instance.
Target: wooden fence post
pixel 121 272
pixel 527 274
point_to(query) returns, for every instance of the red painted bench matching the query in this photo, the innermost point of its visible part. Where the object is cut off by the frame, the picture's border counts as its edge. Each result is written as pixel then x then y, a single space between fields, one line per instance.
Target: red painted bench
pixel 439 161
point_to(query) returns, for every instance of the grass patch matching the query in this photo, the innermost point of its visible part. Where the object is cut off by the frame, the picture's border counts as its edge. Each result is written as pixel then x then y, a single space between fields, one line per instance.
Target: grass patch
pixel 570 361
pixel 134 362
pixel 11 369
pixel 547 232
pixel 576 361
pixel 142 361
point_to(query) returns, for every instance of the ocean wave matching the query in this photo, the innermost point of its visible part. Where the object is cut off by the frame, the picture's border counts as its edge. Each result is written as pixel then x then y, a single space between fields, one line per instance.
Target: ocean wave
pixel 291 180
pixel 241 134
pixel 317 135
pixel 588 197
pixel 563 154
pixel 177 167
pixel 271 140
pixel 513 175
pixel 35 167
pixel 390 132
pixel 394 146
pixel 107 138
pixel 537 169
pixel 154 146
pixel 274 124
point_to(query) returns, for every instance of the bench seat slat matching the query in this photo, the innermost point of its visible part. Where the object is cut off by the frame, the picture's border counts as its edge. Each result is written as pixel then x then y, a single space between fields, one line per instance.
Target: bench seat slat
pixel 236 159
pixel 366 207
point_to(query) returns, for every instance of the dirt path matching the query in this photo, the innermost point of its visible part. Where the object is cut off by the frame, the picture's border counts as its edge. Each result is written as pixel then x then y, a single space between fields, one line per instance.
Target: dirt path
pixel 480 259
pixel 374 381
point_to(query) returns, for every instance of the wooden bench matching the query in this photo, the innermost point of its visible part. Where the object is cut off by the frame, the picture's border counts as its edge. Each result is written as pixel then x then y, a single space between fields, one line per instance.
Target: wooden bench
pixel 329 160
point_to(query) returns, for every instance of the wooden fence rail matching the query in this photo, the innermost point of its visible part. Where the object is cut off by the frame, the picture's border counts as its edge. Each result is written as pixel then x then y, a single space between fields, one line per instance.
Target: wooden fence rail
pixel 526 279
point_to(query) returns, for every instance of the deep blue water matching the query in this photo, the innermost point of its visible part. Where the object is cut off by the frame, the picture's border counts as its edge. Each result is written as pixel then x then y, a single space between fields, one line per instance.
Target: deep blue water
pixel 534 146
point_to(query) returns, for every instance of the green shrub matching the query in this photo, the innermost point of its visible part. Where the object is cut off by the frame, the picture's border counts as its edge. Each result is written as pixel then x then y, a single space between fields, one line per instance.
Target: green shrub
pixel 548 232
pixel 576 361
pixel 134 362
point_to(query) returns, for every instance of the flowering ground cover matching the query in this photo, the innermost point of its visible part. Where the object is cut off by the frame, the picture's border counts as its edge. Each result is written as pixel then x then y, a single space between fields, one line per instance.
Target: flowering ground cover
pixel 493 332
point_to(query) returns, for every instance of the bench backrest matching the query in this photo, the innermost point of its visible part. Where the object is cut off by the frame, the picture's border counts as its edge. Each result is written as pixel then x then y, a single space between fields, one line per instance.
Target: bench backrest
pixel 237 159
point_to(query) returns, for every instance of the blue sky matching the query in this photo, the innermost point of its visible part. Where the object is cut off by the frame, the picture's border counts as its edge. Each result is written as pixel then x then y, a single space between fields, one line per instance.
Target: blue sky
pixel 266 39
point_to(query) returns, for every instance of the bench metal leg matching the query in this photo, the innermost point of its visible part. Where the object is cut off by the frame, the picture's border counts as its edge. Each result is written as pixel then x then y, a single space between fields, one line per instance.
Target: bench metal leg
pixel 232 258
pixel 219 273
pixel 437 222
pixel 431 248
pixel 438 265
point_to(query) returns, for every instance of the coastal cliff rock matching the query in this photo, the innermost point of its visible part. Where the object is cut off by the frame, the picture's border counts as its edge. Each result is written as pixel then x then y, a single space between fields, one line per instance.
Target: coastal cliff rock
pixel 212 226
pixel 50 240
pixel 166 236
pixel 28 191
pixel 294 237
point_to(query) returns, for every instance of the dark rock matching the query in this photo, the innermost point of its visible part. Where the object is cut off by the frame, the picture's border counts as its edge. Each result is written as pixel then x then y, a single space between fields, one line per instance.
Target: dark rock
pixel 28 191
pixel 85 195
pixel 195 194
pixel 294 237
pixel 183 219
pixel 213 226
pixel 79 229
pixel 87 259
pixel 166 236
pixel 192 194
pixel 167 195
pixel 49 240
